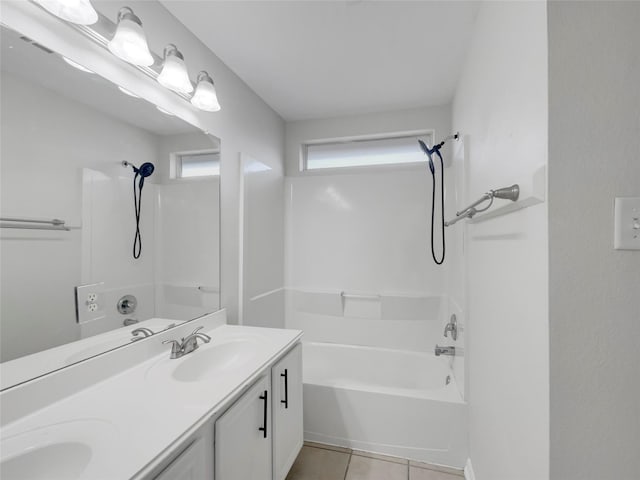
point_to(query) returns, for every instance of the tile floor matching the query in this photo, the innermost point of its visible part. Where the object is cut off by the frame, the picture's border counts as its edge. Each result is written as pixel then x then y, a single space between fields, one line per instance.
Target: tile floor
pixel 325 462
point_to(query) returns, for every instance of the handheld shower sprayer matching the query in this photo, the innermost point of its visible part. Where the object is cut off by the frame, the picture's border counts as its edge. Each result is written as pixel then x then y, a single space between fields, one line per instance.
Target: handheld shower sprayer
pixel 429 152
pixel 507 193
pixel 145 170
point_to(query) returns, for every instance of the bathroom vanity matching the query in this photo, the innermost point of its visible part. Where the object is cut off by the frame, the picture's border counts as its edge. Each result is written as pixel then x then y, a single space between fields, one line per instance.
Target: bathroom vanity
pixel 230 409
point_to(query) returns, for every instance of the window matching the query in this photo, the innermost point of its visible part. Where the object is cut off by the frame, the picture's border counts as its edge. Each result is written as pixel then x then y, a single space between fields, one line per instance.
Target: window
pixel 391 150
pixel 197 164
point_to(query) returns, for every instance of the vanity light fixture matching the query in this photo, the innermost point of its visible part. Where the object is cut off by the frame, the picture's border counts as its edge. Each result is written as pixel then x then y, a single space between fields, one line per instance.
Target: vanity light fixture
pixel 80 12
pixel 174 74
pixel 127 92
pixel 129 42
pixel 205 97
pixel 76 65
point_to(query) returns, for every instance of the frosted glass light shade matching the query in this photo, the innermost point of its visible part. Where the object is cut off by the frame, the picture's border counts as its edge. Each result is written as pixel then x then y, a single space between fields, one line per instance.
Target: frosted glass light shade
pixel 174 74
pixel 129 42
pixel 82 68
pixel 74 11
pixel 205 97
pixel 127 92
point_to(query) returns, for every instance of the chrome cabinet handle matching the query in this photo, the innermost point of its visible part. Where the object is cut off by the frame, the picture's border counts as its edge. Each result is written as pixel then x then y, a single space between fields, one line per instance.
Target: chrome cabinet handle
pixel 264 427
pixel 286 388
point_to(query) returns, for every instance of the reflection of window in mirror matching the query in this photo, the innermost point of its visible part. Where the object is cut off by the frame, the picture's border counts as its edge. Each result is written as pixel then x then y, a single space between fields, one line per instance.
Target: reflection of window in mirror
pixel 195 164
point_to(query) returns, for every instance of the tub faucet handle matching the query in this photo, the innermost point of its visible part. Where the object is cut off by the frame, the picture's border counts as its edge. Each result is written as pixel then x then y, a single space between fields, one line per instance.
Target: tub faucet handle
pixel 452 327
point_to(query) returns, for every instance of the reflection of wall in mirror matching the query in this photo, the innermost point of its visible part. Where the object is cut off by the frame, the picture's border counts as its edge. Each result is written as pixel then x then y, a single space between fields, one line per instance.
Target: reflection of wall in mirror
pixel 46 141
pixel 61 159
pixel 188 233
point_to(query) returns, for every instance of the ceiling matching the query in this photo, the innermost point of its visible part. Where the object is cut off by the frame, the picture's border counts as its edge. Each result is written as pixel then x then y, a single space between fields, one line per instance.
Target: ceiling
pixel 319 59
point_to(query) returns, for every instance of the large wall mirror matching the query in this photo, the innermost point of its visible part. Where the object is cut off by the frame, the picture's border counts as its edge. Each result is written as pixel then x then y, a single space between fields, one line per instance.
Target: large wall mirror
pixel 75 289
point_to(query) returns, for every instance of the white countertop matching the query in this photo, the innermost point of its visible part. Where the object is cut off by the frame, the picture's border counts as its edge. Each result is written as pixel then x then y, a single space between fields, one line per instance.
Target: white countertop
pixel 133 418
pixel 34 365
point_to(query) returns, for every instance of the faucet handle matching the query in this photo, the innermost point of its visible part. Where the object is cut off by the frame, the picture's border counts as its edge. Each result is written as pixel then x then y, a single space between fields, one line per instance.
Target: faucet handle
pixel 197 330
pixel 202 336
pixel 176 348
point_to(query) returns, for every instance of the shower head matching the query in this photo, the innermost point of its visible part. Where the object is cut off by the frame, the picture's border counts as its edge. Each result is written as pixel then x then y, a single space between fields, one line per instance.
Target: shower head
pixel 508 193
pixel 428 153
pixel 424 148
pixel 145 170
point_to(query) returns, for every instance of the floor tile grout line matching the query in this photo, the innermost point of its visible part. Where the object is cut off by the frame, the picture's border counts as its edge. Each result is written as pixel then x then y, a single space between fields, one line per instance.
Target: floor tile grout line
pixel 346 472
pixel 334 448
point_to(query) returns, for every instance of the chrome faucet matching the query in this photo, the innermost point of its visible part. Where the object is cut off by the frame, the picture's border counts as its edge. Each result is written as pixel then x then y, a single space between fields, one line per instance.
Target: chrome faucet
pixel 452 327
pixel 188 344
pixel 451 351
pixel 146 332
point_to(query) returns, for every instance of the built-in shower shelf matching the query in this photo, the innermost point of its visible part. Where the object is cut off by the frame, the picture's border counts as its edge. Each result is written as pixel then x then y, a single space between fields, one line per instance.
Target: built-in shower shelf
pixel 534 193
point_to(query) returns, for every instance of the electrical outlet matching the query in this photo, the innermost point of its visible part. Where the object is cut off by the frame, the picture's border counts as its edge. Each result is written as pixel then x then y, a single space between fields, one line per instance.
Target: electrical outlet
pixel 90 302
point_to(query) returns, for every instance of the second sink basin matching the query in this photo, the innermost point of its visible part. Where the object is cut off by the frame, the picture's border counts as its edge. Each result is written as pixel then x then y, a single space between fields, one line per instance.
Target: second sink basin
pixel 68 450
pixel 212 360
pixel 66 460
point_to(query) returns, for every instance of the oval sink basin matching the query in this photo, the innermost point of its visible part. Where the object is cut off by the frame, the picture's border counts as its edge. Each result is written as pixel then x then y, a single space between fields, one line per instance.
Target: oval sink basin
pixel 213 360
pixel 80 448
pixel 59 460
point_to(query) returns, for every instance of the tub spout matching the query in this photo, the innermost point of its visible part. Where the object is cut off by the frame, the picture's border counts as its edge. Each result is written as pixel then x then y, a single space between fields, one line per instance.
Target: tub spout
pixel 451 351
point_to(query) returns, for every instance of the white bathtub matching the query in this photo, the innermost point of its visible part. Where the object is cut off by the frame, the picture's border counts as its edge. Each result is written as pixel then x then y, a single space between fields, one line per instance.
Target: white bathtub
pixel 385 401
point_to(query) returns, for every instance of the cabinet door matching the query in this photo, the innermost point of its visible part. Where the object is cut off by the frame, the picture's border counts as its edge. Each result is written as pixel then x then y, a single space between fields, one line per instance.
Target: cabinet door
pixel 243 436
pixel 286 385
pixel 191 464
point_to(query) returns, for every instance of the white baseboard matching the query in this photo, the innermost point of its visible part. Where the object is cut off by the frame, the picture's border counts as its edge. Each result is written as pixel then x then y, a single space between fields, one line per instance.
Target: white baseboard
pixel 468 471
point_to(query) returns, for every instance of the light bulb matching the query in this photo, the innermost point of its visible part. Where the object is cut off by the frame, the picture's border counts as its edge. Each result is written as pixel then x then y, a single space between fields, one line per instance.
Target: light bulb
pixel 174 74
pixel 74 11
pixel 205 97
pixel 129 42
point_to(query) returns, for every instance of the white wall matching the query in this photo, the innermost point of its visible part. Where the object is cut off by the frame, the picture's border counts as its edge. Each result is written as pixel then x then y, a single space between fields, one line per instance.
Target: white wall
pixel 245 123
pixel 363 232
pixel 500 108
pixel 594 156
pixel 262 217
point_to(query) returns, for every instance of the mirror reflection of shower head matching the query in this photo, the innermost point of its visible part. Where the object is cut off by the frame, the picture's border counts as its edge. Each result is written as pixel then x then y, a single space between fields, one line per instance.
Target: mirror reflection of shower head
pixel 145 170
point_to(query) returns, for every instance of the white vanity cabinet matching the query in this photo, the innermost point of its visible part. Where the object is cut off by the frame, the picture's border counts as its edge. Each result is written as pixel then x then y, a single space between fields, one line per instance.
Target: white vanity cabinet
pixel 243 436
pixel 286 385
pixel 260 435
pixel 193 463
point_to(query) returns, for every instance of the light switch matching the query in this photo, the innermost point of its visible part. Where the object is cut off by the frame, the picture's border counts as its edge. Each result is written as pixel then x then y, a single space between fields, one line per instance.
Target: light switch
pixel 627 223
